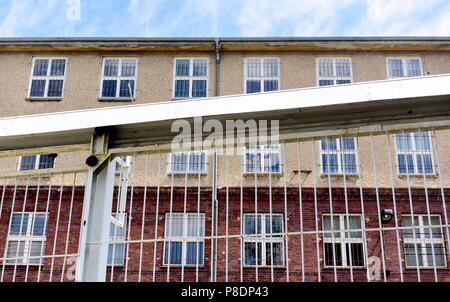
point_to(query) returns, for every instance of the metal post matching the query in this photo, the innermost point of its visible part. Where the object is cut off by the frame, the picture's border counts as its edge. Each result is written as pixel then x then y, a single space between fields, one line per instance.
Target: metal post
pixel 93 248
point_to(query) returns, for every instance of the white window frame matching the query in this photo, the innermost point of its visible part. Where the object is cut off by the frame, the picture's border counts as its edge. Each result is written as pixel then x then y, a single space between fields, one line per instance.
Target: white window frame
pixel 28 239
pixel 263 239
pixel 118 78
pixel 404 67
pixel 423 241
pixel 169 164
pixel 334 77
pixel 115 239
pixel 261 77
pixel 47 78
pixel 127 159
pixel 266 149
pixel 185 239
pixel 36 164
pixel 190 78
pixel 343 240
pixel 414 152
pixel 339 152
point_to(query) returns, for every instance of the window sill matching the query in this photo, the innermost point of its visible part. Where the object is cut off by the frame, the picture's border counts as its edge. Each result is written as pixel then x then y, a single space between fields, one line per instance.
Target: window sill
pixel 128 100
pixel 179 266
pixel 170 173
pixel 263 174
pixel 418 176
pixel 39 99
pixel 347 268
pixel 428 268
pixel 339 175
pixel 264 267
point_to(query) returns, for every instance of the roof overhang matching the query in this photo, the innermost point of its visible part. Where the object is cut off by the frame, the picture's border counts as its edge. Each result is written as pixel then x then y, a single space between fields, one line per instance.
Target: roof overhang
pixel 333 107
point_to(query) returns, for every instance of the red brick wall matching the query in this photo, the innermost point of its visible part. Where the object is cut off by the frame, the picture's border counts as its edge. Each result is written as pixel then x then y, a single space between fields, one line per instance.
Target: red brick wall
pixel 70 238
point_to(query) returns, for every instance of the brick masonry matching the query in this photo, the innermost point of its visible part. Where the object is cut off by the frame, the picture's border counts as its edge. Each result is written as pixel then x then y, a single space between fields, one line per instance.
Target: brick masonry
pixel 62 238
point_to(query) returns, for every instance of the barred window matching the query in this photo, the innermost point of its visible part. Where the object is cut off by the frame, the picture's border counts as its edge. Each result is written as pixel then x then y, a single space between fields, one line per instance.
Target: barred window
pixel 190 78
pixel 414 153
pixel 184 239
pixel 119 78
pixel 261 74
pixel 47 78
pixel 37 162
pixel 26 238
pixel 404 67
pixel 263 240
pixel 117 237
pixel 424 242
pixel 334 71
pixel 343 240
pixel 187 162
pixel 339 156
pixel 262 159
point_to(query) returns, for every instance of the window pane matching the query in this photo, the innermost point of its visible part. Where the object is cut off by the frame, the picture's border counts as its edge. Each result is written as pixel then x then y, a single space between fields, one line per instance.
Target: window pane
pixel 395 68
pixel 192 253
pixel 197 162
pixel 413 67
pixel 342 82
pixel 174 225
pixel 329 144
pixel 436 232
pixel 109 88
pixel 272 162
pixel 58 67
pixel 328 227
pixel 349 163
pixel 182 68
pixel 175 255
pixel 200 68
pixel 253 86
pixel 28 163
pixel 410 255
pixel 126 88
pixel 355 253
pixel 354 223
pixel 253 162
pixel 405 164
pixel 439 255
pixel 277 224
pixel 40 225
pixel 253 67
pixel 182 88
pixel 274 249
pixel 111 68
pixel 343 68
pixel 326 82
pixel 128 68
pixel 179 162
pixel 199 88
pixel 424 163
pixel 55 88
pixel 46 161
pixel 326 67
pixel 422 140
pixel 15 251
pixel 348 143
pixel 250 253
pixel 270 68
pixel 330 255
pixel 37 88
pixel 19 224
pixel 35 252
pixel 252 224
pixel 408 231
pixel 404 142
pixel 195 225
pixel 40 67
pixel 330 163
pixel 119 254
pixel 270 85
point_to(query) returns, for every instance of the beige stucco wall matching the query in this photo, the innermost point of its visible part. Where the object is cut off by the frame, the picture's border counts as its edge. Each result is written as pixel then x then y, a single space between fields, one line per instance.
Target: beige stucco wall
pixel 155 81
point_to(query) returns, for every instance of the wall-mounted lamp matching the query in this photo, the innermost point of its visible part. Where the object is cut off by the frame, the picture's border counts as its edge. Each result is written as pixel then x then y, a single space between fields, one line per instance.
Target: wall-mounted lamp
pixel 386 215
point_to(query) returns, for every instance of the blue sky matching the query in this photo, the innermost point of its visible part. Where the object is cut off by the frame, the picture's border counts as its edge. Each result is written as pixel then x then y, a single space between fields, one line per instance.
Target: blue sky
pixel 206 18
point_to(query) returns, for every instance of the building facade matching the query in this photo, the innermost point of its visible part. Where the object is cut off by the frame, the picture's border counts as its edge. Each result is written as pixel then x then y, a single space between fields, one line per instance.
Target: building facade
pixel 297 211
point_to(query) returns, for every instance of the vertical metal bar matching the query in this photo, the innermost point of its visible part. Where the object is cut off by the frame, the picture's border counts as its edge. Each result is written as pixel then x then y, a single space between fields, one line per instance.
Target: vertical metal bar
pixel 130 217
pixel 226 217
pixel 184 253
pixel 66 249
pixel 5 253
pixel 425 185
pixel 286 230
pixel 46 223
pixel 56 228
pixel 374 169
pixel 112 242
pixel 270 220
pixel 170 229
pixel 300 205
pixel 3 197
pixel 394 200
pixel 155 243
pixel 198 229
pixel 144 207
pixel 441 185
pixel 256 222
pixel 316 219
pixel 241 218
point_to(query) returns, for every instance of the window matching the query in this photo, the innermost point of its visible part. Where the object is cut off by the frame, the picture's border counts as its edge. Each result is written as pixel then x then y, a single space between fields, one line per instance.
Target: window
pixel 47 78
pixel 190 78
pixel 339 156
pixel 184 239
pixel 428 238
pixel 37 162
pixel 262 159
pixel 125 159
pixel 262 74
pixel 348 242
pixel 119 78
pixel 404 67
pixel 263 240
pixel 117 236
pixel 188 162
pixel 334 71
pixel 414 153
pixel 26 238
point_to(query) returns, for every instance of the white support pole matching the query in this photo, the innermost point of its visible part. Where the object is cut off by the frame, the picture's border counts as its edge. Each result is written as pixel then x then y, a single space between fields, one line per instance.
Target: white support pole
pixel 95 227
